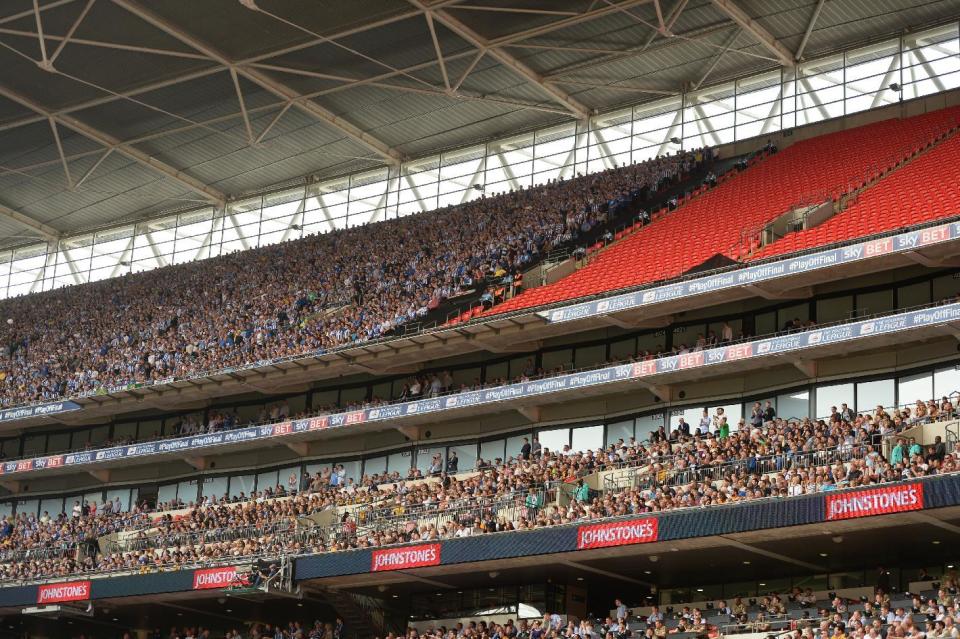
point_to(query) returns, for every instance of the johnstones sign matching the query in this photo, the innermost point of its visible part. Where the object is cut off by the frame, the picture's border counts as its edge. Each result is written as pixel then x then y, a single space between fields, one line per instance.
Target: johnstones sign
pixel 57 593
pixel 878 501
pixel 620 533
pixel 225 577
pixel 402 558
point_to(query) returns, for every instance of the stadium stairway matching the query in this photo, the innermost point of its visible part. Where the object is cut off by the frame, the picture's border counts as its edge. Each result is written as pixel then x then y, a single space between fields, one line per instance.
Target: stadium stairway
pixel 924 188
pixel 363 617
pixel 716 224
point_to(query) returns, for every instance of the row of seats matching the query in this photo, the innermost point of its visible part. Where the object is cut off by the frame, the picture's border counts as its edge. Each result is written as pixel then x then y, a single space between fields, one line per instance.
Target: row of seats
pixel 924 190
pixel 827 166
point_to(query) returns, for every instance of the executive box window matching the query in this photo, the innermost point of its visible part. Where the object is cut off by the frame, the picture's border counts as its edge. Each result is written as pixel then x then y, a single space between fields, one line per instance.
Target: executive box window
pixel 833 396
pixel 946 382
pixel 880 392
pixel 834 309
pixel 914 387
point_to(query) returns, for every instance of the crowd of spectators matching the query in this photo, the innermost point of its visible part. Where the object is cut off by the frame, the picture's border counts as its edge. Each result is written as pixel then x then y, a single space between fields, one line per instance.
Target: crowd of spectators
pixel 298 297
pixel 710 463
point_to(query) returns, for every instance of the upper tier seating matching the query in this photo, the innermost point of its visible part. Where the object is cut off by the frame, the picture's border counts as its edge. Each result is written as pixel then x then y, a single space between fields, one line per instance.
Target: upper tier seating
pixel 924 190
pixel 811 170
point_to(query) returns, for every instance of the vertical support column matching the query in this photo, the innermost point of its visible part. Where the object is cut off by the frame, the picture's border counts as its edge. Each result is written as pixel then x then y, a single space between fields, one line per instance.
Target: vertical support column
pixel 581 148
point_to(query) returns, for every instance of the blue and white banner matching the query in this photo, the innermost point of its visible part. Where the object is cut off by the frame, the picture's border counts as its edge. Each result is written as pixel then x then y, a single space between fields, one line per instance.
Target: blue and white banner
pixel 757 274
pixel 39 410
pixel 932 316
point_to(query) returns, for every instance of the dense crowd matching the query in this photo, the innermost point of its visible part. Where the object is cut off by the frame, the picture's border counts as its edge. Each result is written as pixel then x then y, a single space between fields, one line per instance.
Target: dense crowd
pixel 297 297
pixel 713 462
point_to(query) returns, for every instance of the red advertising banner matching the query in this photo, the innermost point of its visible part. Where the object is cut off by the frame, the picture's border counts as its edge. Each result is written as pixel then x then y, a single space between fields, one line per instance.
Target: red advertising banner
pixel 877 501
pixel 403 558
pixel 620 533
pixel 223 577
pixel 69 591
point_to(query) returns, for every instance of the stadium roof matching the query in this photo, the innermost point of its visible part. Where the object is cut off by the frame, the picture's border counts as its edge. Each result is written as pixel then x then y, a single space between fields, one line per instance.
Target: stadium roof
pixel 122 109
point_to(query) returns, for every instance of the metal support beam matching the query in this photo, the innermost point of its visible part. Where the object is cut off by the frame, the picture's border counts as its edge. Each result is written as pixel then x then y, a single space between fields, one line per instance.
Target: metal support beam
pixel 466 33
pixel 806 366
pixel 606 573
pixel 198 463
pixel 110 142
pixel 806 34
pixel 63 157
pixel 772 555
pixel 243 105
pixel 751 26
pixel 437 49
pixel 769 294
pixel 410 432
pixel 277 88
pixel 41 229
pixel 102 475
pixel 716 59
pixel 71 31
pixel 942 262
pixel 302 449
pixel 530 413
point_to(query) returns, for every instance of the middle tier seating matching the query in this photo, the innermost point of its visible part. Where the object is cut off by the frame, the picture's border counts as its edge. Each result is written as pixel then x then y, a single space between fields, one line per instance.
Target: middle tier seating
pixel 813 170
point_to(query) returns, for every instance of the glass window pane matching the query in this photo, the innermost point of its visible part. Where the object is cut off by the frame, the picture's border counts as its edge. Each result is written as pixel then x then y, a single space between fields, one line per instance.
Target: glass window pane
pixel 514 444
pixel 58 442
pixel 34 445
pixel 829 397
pixel 374 466
pixel 619 430
pixel 426 457
pixel 266 480
pixel 647 424
pixel 352 470
pixel 166 494
pixel 590 356
pixel 946 382
pixel 733 413
pixel 562 359
pixel 792 313
pixel 873 303
pixel 28 506
pixel 623 349
pixel 554 439
pixel 187 491
pixel 793 405
pixel 834 309
pixel 913 295
pixel 51 506
pixel 765 323
pixel 245 484
pixel 124 495
pixel 496 371
pixel 914 387
pixel 466 456
pixel 587 438
pixel 215 487
pixel 492 450
pixel 945 287
pixel 877 393
pixel 400 462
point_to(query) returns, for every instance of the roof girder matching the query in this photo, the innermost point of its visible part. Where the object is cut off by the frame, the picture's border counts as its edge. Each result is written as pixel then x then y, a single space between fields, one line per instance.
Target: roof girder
pixel 43 230
pixel 108 141
pixel 279 89
pixel 575 107
pixel 751 26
